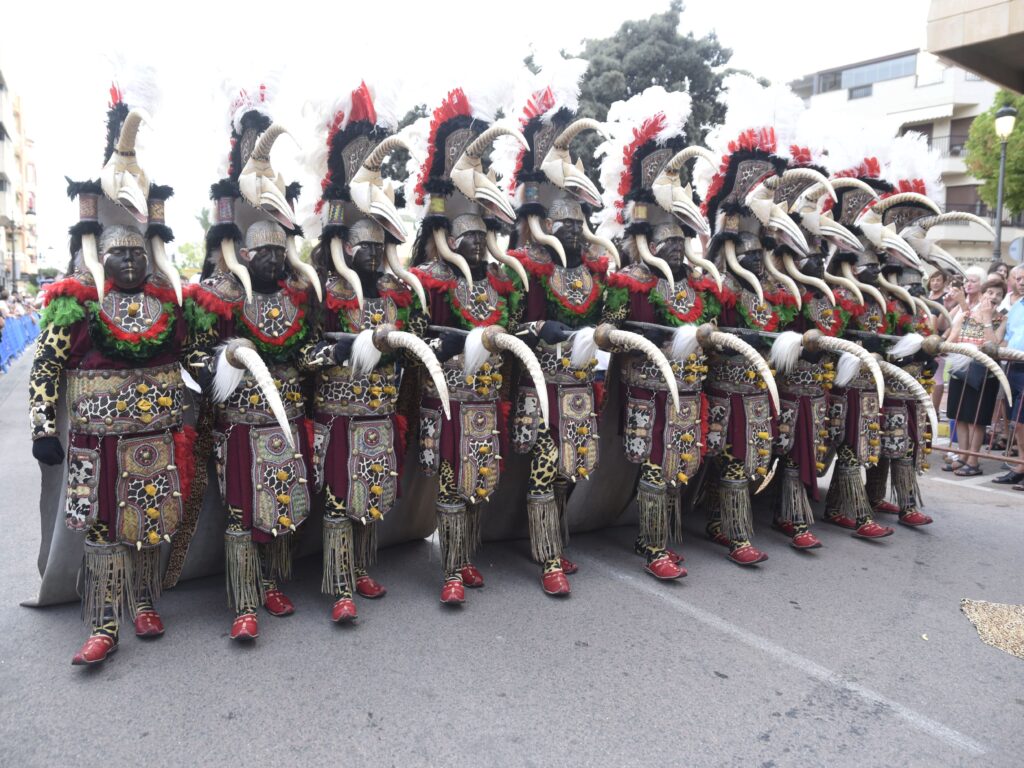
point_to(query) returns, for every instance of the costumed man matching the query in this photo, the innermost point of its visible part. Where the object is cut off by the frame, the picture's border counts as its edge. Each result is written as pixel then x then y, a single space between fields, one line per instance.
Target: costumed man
pixel 472 302
pixel 115 328
pixel 255 293
pixel 358 435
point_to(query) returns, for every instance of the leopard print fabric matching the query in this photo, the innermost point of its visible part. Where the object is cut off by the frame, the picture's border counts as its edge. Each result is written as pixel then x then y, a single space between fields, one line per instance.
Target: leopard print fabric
pixel 543 465
pixel 52 351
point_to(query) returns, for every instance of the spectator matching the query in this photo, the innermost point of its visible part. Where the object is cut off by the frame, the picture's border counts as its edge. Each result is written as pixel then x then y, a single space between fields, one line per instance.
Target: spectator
pixel 1013 335
pixel 998 268
pixel 937 285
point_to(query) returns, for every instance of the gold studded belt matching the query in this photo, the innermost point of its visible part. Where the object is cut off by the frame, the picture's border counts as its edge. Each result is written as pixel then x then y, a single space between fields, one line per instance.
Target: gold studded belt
pixel 123 402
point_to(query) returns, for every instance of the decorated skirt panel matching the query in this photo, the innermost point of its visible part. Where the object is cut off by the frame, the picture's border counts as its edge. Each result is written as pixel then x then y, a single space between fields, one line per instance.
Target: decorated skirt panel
pixel 806 379
pixel 801 440
pixel 649 417
pixel 280 491
pixel 82 506
pixel 123 402
pixel 733 374
pixel 341 393
pixel 898 390
pixel 149 502
pixel 482 386
pixel 895 433
pixel 247 405
pixel 372 469
pixel 836 419
pixel 555 361
pixel 638 371
pixel 430 439
pixel 741 427
pixel 863 425
pixel 577 430
pixel 526 419
pixel 477 469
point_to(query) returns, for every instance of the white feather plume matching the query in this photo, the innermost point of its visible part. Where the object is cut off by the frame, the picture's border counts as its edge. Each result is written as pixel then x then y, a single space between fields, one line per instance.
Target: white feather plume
pixel 911 157
pixel 137 83
pixel 584 348
pixel 847 370
pixel 226 377
pixel 786 351
pixel 910 344
pixel 364 356
pixel 475 353
pixel 417 138
pixel 684 342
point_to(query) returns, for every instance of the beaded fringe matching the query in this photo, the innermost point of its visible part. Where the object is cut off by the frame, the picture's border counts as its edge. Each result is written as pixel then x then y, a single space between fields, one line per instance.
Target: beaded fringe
pixel 338 573
pixel 675 510
pixel 847 495
pixel 794 506
pixel 364 545
pixel 545 527
pixel 876 479
pixel 279 558
pixel 652 503
pixel 562 487
pixel 242 567
pixel 453 530
pixel 474 533
pixel 734 506
pixel 905 489
pixel 108 584
pixel 146 577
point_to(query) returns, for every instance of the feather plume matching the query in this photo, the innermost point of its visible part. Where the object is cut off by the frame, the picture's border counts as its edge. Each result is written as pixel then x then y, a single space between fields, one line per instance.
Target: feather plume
pixel 786 351
pixel 684 342
pixel 475 353
pixel 583 347
pixel 364 356
pixel 847 370
pixel 907 345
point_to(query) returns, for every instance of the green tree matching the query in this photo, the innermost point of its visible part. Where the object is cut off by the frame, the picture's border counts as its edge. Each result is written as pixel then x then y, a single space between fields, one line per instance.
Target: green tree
pixel 190 258
pixel 204 220
pixel 394 166
pixel 983 149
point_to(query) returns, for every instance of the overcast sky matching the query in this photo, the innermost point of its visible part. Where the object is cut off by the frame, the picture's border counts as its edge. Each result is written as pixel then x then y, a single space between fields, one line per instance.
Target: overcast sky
pixel 56 57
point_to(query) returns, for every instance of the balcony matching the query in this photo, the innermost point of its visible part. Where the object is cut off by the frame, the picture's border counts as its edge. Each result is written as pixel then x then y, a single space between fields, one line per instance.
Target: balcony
pixel 954 145
pixel 982 210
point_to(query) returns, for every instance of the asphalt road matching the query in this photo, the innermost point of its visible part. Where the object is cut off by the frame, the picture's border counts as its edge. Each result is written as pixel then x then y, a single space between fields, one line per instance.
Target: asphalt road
pixel 854 655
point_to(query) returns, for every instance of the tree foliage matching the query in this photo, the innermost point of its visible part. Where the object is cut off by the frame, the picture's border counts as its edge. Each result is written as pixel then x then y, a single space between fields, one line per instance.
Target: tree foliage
pixel 394 167
pixel 983 150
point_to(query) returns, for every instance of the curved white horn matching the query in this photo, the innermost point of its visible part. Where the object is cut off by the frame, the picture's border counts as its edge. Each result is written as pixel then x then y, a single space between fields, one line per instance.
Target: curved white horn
pixel 574 129
pixel 940 309
pixel 708 336
pixel 843 282
pixel 699 261
pixel 91 259
pixel 509 261
pixel 800 277
pixel 345 272
pixel 971 351
pixel 130 129
pixel 914 386
pixel 266 141
pixel 395 263
pixel 496 339
pixel 481 143
pixel 235 267
pixel 839 346
pixel 416 346
pixel 960 217
pixel 652 261
pixel 809 174
pixel 679 158
pixel 301 267
pixel 165 267
pixel 543 238
pixel 870 290
pixel 610 338
pixel 898 291
pixel 453 258
pixel 740 272
pixel 601 242
pixel 241 356
pixel 900 198
pixel 784 280
pixel 376 158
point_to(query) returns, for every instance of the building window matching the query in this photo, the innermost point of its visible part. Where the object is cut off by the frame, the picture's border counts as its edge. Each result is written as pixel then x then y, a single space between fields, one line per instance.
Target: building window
pixel 860 91
pixel 830 81
pixel 888 69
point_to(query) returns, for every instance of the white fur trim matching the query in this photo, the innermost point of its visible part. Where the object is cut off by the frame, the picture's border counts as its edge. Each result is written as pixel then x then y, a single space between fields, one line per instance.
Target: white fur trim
pixel 684 342
pixel 786 351
pixel 848 368
pixel 583 347
pixel 475 353
pixel 364 356
pixel 906 346
pixel 226 377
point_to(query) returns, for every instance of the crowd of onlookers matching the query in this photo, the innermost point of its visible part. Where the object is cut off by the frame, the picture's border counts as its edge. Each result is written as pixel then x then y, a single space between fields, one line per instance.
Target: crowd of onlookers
pixel 985 307
pixel 19 325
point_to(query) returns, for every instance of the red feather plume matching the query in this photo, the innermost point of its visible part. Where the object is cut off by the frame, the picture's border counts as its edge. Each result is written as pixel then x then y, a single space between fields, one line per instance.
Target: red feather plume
pixel 116 97
pixel 800 155
pixel 752 139
pixel 646 132
pixel 455 105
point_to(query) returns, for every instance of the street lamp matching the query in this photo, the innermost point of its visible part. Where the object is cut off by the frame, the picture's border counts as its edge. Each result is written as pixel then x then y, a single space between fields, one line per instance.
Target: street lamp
pixel 1005 118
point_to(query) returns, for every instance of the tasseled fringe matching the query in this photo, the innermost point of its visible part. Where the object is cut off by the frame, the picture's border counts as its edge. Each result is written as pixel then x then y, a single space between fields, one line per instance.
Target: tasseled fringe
pixel 146 577
pixel 474 533
pixel 794 506
pixel 652 502
pixel 108 584
pixel 877 479
pixel 339 573
pixel 365 545
pixel 846 494
pixel 675 510
pixel 545 527
pixel 242 567
pixel 562 501
pixel 279 558
pixel 453 536
pixel 905 489
pixel 734 503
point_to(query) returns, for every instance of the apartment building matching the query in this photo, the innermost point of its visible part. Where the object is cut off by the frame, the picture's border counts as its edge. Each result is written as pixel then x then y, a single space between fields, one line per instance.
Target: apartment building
pixel 915 91
pixel 19 256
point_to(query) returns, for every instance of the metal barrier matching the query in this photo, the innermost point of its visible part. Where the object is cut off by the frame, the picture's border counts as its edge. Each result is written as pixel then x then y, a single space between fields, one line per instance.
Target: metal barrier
pixel 18 333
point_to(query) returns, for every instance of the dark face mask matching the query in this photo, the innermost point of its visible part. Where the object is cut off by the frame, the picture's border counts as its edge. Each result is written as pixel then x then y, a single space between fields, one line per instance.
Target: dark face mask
pixel 472 246
pixel 368 258
pixel 672 251
pixel 868 274
pixel 569 232
pixel 813 266
pixel 266 265
pixel 126 267
pixel 753 261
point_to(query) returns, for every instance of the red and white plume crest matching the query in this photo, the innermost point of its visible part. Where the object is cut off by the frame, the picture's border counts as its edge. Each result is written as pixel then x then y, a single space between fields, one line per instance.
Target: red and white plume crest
pixel 455 104
pixel 134 85
pixel 655 114
pixel 913 166
pixel 246 97
pixel 554 87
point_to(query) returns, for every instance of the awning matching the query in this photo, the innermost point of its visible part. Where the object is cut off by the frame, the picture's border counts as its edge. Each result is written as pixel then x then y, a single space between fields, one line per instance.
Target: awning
pixel 922 115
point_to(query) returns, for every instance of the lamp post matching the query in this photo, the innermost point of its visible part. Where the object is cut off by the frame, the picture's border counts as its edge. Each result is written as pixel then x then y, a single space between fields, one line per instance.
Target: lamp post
pixel 1005 118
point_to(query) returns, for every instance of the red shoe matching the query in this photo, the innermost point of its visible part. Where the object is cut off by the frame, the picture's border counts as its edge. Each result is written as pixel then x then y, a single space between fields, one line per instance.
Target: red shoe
pixel 748 554
pixel 277 603
pixel 885 506
pixel 148 624
pixel 555 583
pixel 675 557
pixel 805 540
pixel 842 521
pixel 95 649
pixel 568 566
pixel 915 519
pixel 872 530
pixel 344 610
pixel 471 576
pixel 453 593
pixel 663 568
pixel 370 589
pixel 245 627
pixel 718 537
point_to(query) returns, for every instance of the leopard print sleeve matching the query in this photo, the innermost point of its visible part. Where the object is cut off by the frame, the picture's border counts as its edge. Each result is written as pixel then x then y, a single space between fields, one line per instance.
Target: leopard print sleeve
pixel 52 352
pixel 316 354
pixel 614 310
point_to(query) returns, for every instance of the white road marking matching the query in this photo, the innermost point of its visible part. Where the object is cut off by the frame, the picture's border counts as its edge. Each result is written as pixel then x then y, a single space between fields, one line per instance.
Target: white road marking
pixel 796 661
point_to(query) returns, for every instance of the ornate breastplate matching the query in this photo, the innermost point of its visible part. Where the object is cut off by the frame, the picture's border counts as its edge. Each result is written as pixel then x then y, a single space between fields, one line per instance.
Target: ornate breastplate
pixel 124 402
pixel 827 319
pixel 225 287
pixel 572 285
pixel 757 314
pixel 247 405
pixel 477 303
pixel 131 312
pixel 683 303
pixel 804 379
pixel 272 314
pixel 732 373
pixel 342 393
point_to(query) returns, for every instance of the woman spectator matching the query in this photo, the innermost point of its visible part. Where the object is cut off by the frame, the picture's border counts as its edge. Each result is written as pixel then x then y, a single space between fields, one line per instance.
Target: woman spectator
pixel 972 391
pixel 937 284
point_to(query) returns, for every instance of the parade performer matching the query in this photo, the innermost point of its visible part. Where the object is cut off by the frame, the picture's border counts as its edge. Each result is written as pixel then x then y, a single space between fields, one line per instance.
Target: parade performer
pixel 116 330
pixel 358 435
pixel 472 302
pixel 255 300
